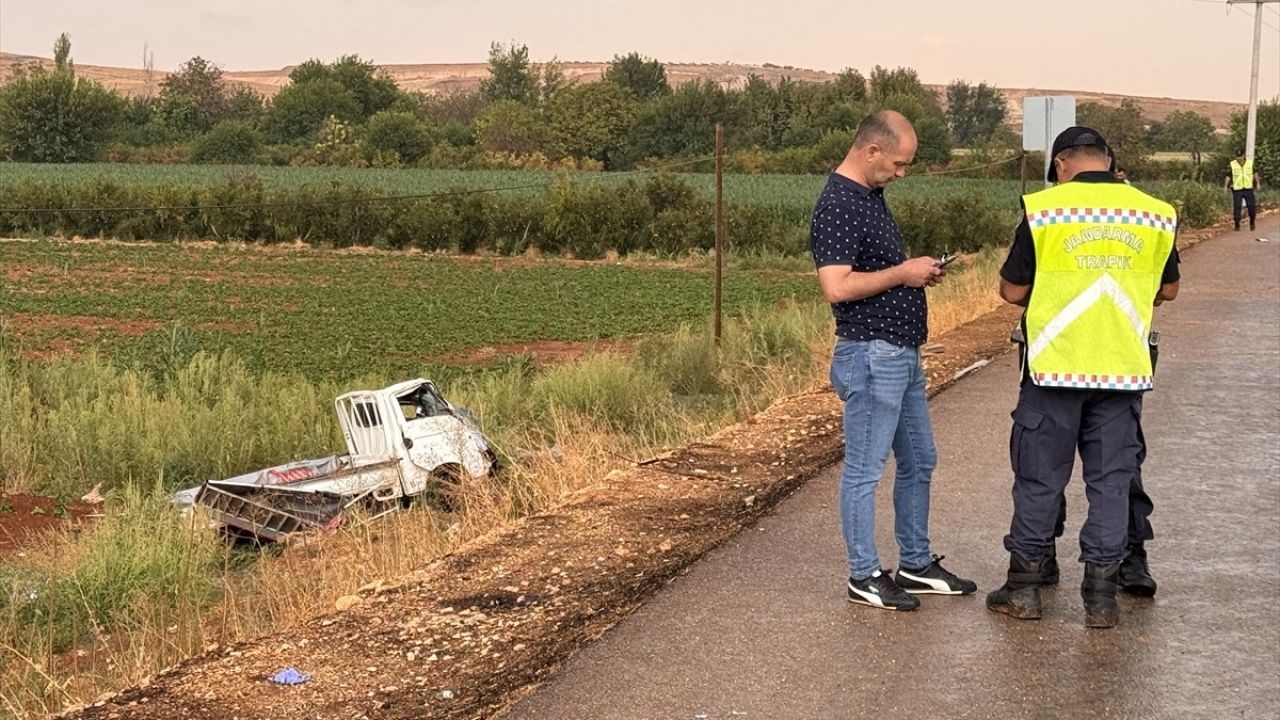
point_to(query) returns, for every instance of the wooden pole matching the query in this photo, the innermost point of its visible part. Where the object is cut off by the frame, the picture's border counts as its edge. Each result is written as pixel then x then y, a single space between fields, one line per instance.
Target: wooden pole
pixel 719 222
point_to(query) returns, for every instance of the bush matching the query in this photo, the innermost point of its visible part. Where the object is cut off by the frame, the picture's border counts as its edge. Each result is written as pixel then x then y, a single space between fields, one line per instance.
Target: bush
pixel 686 361
pixel 401 133
pixel 959 223
pixel 609 389
pixel 1198 204
pixel 53 116
pixel 230 141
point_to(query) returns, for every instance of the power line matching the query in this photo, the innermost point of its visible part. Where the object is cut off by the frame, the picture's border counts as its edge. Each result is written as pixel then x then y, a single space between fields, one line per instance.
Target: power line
pixel 975 167
pixel 1246 12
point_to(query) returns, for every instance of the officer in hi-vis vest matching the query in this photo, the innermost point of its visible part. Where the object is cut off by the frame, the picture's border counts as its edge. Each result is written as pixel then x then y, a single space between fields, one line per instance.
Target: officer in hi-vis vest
pixel 1089 261
pixel 1242 180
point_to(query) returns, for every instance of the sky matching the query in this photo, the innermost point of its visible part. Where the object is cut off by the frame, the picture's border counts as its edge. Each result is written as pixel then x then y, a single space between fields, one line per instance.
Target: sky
pixel 1192 49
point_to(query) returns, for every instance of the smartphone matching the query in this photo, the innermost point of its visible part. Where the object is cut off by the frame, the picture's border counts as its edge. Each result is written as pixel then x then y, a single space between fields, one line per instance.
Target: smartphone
pixel 946 260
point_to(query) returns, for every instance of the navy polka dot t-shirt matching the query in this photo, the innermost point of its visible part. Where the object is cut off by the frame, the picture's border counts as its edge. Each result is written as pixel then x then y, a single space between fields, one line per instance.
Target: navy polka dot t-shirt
pixel 852 226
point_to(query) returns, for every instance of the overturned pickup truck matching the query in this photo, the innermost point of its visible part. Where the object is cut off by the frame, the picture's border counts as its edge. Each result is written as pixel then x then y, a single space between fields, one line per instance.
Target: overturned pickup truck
pixel 404 442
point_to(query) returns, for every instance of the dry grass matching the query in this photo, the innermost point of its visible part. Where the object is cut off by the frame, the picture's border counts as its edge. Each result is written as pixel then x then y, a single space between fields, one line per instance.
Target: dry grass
pixel 968 293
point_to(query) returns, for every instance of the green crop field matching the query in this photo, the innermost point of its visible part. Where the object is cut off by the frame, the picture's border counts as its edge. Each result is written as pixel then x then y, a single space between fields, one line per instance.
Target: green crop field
pixel 794 195
pixel 340 314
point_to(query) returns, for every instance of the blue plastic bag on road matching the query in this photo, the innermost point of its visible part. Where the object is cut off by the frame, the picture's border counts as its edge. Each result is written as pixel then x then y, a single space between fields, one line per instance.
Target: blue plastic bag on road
pixel 290 676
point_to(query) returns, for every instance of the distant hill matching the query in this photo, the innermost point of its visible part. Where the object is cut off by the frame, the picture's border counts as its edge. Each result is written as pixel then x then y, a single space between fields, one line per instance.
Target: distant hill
pixel 444 77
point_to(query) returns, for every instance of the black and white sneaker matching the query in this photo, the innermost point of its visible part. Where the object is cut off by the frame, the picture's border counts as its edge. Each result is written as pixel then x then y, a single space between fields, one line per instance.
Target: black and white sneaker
pixel 880 591
pixel 934 579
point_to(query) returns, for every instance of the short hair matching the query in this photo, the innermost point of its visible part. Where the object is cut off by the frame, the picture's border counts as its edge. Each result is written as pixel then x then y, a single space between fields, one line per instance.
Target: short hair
pixel 1239 152
pixel 1120 168
pixel 1096 152
pixel 878 128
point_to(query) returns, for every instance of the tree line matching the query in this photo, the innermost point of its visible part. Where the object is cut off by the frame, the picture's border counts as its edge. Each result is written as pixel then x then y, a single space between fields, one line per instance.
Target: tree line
pixel 529 115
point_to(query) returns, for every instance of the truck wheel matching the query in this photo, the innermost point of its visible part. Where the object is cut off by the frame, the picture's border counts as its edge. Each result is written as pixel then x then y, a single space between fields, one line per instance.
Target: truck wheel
pixel 446 490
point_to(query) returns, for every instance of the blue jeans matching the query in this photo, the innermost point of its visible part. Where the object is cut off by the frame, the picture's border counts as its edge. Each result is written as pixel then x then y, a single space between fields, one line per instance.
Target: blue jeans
pixel 885 408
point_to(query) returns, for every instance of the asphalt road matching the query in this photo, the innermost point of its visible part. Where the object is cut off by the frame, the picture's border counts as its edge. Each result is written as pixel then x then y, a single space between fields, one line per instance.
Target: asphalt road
pixel 760 628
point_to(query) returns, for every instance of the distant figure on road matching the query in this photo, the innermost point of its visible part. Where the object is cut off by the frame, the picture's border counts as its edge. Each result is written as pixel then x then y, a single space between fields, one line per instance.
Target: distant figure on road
pixel 1122 175
pixel 1242 180
pixel 878 299
pixel 1090 260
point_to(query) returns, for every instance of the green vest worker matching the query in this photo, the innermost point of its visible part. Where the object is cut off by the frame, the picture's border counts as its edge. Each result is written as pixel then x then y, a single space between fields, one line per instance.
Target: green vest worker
pixel 1091 259
pixel 1242 180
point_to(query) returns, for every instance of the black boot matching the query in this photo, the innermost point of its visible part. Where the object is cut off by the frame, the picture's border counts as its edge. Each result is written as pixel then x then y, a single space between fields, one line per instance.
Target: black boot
pixel 1099 593
pixel 1135 576
pixel 1019 597
pixel 1049 567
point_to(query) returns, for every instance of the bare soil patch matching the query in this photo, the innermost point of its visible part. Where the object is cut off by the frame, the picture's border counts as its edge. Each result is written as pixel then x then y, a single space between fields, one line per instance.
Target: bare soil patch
pixel 81 324
pixel 25 518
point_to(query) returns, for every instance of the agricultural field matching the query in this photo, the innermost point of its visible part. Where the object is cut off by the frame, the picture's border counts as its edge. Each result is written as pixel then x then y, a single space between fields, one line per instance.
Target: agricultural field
pixel 330 314
pixel 793 193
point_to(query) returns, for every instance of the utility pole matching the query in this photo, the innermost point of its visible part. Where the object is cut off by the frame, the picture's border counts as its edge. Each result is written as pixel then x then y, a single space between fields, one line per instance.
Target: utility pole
pixel 1251 131
pixel 719 223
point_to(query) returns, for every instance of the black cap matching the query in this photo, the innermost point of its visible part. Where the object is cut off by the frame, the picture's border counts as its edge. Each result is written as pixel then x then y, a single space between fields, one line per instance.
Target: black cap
pixel 1075 136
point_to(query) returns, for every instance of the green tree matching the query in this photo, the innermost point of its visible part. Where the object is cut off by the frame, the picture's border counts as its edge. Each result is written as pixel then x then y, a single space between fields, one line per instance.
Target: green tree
pixel 849 86
pixel 974 113
pixel 54 116
pixel 62 53
pixel 933 141
pixel 399 132
pixel 244 103
pixel 594 121
pixel 763 113
pixel 684 122
pixel 298 111
pixel 194 97
pixel 510 75
pixel 645 78
pixel 1266 158
pixel 1185 131
pixel 1122 126
pixel 373 89
pixel 553 78
pixel 901 82
pixel 813 110
pixel 230 141
pixel 511 126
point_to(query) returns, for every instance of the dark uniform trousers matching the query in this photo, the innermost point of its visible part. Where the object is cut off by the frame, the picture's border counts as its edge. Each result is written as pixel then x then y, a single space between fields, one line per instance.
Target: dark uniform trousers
pixel 1140 505
pixel 1049 426
pixel 1250 201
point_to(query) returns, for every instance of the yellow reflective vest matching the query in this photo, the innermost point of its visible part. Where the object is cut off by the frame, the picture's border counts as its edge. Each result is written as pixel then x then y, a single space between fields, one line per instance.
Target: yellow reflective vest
pixel 1242 175
pixel 1100 252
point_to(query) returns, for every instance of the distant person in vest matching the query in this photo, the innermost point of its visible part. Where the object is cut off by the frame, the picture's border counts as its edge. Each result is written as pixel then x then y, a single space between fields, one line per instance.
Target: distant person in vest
pixel 1242 181
pixel 1090 261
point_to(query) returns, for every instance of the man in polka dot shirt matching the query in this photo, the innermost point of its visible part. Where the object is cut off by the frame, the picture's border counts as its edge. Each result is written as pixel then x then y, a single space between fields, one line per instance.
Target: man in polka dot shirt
pixel 877 297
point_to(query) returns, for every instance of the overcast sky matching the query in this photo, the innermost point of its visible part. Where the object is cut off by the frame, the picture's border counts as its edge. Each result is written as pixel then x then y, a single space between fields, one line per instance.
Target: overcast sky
pixel 1174 48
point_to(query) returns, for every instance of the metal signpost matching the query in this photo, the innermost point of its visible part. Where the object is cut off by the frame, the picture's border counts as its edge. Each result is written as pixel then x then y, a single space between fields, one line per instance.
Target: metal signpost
pixel 1042 119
